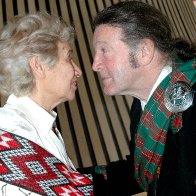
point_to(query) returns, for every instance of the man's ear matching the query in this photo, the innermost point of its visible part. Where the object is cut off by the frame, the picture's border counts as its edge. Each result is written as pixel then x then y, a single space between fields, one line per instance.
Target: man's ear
pixel 146 51
pixel 37 67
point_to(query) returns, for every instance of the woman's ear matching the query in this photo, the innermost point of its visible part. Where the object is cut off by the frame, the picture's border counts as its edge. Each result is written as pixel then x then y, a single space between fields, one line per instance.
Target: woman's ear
pixel 37 67
pixel 146 52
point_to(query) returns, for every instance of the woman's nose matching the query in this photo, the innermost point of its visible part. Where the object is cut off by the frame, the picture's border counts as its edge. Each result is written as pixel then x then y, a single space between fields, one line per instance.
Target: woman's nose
pixel 77 70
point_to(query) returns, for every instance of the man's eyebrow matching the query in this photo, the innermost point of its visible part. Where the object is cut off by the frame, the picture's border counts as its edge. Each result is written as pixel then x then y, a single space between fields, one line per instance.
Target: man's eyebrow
pixel 101 42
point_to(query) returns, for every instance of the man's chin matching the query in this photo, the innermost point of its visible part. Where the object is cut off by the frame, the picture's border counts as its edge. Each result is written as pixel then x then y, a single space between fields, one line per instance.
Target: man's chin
pixel 108 92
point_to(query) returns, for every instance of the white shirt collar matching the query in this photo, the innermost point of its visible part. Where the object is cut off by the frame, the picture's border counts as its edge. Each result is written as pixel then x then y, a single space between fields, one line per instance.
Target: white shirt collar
pixel 39 117
pixel 165 71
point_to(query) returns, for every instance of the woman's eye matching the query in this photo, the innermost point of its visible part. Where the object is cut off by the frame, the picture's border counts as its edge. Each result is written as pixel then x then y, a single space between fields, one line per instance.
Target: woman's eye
pixel 69 58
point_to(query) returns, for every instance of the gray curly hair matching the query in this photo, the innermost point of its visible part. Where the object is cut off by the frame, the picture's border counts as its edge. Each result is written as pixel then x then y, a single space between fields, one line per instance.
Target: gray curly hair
pixel 24 37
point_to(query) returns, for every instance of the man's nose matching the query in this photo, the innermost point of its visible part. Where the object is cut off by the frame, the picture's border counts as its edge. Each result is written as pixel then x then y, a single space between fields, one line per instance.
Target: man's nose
pixel 96 66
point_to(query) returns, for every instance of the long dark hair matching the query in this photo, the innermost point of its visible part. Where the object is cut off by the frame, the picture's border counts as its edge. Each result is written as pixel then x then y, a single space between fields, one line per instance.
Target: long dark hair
pixel 138 21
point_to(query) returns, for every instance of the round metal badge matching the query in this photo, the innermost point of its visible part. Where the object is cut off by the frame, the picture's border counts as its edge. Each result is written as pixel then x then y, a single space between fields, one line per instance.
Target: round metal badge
pixel 178 97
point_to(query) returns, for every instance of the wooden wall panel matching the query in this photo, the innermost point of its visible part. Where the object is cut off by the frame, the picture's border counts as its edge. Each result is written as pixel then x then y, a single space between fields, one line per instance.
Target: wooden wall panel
pixel 91 81
pixel 21 7
pixel 31 6
pixel 1 15
pixel 95 127
pixel 9 9
pixel 187 18
pixel 42 5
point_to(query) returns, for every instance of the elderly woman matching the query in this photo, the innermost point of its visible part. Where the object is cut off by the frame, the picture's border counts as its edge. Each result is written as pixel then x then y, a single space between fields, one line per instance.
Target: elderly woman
pixel 37 72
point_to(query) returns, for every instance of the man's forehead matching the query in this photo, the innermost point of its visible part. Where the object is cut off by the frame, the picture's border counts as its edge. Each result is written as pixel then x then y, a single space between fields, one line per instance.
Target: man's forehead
pixel 106 33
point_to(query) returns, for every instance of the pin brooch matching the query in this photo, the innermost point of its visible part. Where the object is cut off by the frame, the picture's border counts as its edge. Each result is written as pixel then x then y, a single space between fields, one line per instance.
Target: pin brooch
pixel 178 97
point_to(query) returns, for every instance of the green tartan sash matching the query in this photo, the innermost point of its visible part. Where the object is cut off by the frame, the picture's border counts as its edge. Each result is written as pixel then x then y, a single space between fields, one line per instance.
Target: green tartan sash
pixel 154 124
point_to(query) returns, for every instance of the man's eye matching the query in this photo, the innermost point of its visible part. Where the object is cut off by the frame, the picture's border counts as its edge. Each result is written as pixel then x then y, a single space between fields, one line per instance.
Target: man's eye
pixel 103 50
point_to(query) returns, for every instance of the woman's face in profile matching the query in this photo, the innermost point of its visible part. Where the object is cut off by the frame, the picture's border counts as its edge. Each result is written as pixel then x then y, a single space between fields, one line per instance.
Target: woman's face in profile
pixel 62 78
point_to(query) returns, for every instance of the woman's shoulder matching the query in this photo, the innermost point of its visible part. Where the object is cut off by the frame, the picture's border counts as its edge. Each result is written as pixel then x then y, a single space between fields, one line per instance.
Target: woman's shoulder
pixel 13 122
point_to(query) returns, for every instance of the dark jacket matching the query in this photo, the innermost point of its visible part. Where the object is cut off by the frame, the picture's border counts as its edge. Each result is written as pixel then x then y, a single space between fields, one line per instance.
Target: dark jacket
pixel 178 171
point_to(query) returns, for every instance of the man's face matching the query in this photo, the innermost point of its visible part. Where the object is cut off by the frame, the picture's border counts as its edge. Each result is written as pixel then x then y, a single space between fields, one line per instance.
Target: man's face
pixel 112 61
